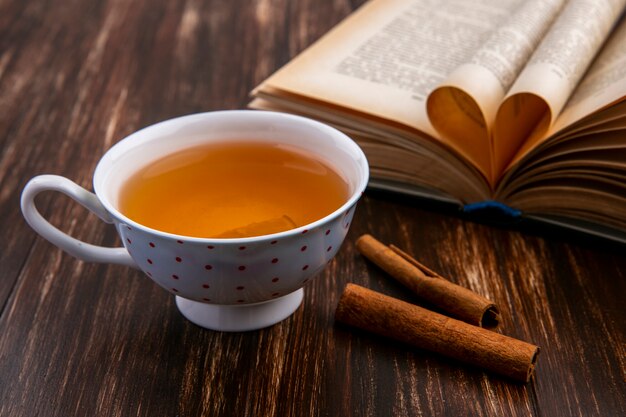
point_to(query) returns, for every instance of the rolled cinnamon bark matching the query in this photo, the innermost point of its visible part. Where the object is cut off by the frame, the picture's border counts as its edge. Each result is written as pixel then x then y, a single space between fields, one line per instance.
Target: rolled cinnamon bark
pixel 425 329
pixel 455 300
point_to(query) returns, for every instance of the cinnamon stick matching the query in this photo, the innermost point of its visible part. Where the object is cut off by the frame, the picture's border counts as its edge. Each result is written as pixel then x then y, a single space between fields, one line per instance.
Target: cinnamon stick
pixel 425 329
pixel 457 301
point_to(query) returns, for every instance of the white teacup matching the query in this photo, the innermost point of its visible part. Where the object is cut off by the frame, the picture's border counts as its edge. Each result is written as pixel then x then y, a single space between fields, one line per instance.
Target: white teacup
pixel 220 284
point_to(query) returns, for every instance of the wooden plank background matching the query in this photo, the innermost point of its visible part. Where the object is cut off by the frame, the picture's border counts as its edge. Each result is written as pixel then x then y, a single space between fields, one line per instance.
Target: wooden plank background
pixel 81 339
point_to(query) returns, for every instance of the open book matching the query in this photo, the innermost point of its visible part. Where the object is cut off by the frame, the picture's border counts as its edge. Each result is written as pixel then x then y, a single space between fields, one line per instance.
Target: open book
pixel 516 102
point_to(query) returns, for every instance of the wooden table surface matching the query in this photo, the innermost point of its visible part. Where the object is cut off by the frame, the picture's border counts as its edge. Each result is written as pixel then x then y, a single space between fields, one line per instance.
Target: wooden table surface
pixel 79 339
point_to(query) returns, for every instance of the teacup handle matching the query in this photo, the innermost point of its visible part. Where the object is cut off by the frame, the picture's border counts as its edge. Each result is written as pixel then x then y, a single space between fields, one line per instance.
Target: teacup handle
pixel 75 247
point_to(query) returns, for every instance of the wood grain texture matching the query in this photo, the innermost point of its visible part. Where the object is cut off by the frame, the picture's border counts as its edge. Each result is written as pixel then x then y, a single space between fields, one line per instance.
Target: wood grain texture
pixel 82 339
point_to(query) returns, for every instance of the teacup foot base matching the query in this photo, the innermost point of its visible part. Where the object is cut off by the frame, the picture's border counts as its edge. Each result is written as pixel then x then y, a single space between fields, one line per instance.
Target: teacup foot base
pixel 240 318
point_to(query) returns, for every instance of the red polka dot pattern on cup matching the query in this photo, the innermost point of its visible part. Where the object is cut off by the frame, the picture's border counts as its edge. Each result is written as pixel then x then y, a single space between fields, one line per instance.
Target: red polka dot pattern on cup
pixel 246 272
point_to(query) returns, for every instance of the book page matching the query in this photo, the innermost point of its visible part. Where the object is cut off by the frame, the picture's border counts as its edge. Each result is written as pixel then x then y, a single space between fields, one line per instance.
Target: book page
pixel 387 57
pixel 473 91
pixel 604 83
pixel 555 69
pixel 352 67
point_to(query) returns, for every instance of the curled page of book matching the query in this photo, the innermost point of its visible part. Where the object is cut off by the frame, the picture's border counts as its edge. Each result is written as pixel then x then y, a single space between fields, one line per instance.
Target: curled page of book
pixel 603 86
pixel 553 72
pixel 471 94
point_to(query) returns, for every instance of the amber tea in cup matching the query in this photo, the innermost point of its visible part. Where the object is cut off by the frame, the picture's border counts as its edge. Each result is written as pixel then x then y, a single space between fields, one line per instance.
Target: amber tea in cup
pixel 233 189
